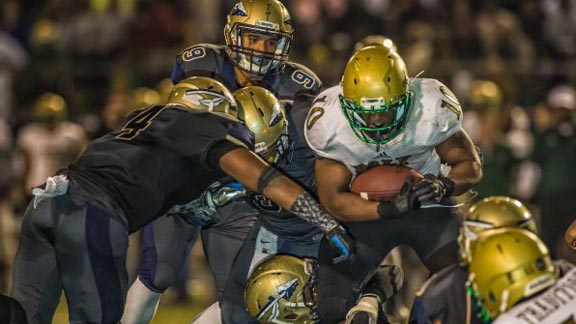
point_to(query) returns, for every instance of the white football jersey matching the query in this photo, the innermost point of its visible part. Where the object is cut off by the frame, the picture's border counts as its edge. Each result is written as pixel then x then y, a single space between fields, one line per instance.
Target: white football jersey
pixel 557 305
pixel 49 150
pixel 434 116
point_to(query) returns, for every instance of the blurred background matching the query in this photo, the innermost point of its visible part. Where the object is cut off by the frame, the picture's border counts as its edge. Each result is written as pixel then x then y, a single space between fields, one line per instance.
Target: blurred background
pixel 71 69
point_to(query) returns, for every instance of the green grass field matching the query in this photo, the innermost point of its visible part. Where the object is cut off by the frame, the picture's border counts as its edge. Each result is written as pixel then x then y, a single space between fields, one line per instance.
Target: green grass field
pixel 167 314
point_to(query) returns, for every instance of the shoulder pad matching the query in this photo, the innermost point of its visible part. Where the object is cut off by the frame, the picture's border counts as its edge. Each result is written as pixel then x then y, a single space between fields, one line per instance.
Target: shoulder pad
pixel 319 119
pixel 296 79
pixel 199 59
pixel 439 106
pixel 442 98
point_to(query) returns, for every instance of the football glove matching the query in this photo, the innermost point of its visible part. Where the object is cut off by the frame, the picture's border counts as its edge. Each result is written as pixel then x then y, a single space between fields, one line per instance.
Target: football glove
pixel 404 202
pixel 342 242
pixel 202 210
pixel 364 312
pixel 432 189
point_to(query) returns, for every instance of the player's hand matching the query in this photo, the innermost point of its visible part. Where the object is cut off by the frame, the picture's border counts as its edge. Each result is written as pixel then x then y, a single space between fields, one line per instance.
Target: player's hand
pixel 364 312
pixel 406 200
pixel 202 211
pixel 432 189
pixel 340 240
pixel 570 236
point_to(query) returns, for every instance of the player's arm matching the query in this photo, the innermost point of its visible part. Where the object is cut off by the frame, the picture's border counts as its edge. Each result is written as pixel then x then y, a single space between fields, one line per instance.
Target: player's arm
pixel 251 171
pixel 461 155
pixel 332 181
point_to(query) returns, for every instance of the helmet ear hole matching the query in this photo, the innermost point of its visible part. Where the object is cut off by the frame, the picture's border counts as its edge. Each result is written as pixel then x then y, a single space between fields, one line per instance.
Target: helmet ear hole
pixel 291 316
pixel 492 297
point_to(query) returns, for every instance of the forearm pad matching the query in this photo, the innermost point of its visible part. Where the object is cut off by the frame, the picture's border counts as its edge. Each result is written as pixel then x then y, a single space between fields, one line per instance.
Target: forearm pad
pixel 310 210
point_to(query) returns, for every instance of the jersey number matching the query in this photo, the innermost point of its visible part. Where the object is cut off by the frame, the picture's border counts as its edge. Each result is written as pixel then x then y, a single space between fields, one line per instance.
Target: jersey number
pixel 304 79
pixel 452 103
pixel 139 123
pixel 313 116
pixel 193 53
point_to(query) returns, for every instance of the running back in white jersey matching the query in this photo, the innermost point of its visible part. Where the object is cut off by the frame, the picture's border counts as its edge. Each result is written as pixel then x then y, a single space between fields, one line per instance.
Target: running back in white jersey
pixel 557 305
pixel 435 115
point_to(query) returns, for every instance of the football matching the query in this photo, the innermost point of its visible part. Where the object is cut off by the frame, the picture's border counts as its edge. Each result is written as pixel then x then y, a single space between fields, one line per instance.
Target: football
pixel 382 182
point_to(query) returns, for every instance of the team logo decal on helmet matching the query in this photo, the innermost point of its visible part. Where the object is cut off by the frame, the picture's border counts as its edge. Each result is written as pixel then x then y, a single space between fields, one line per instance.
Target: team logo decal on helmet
pixel 285 291
pixel 207 94
pixel 239 10
pixel 205 98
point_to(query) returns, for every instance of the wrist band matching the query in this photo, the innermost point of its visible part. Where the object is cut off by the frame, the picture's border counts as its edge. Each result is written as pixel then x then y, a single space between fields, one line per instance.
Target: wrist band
pixel 387 209
pixel 448 186
pixel 268 175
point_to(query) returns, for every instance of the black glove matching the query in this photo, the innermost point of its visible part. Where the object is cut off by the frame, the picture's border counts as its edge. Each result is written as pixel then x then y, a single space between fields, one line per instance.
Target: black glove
pixel 202 210
pixel 404 202
pixel 432 189
pixel 340 240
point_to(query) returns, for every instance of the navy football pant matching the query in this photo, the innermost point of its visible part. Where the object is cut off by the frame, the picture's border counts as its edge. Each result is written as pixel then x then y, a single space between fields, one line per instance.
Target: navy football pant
pixel 431 232
pixel 76 247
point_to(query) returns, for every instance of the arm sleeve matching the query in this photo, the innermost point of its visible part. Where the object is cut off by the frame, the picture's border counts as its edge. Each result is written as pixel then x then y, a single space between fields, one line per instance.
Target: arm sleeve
pixel 218 150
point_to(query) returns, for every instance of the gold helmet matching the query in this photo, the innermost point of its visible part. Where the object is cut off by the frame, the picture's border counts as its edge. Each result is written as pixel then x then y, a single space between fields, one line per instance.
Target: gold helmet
pixel 203 93
pixel 375 40
pixel 492 212
pixel 50 108
pixel 265 117
pixel 279 290
pixel 253 21
pixel 375 86
pixel 484 96
pixel 509 264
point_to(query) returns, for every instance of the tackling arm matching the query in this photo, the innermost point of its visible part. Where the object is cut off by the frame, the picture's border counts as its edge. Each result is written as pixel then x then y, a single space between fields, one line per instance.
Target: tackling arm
pixel 248 169
pixel 459 153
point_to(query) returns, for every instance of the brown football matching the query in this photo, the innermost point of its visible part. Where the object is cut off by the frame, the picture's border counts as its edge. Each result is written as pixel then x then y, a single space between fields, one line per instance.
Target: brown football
pixel 383 182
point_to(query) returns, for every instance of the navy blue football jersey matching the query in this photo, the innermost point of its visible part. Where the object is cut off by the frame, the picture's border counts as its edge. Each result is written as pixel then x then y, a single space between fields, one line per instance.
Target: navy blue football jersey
pixel 159 157
pixel 295 86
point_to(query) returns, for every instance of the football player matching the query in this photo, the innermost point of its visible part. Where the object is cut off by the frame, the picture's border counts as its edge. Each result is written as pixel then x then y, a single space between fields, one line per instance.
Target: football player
pixel 513 281
pixel 377 115
pixel 75 231
pixel 442 299
pixel 258 36
pixel 282 289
